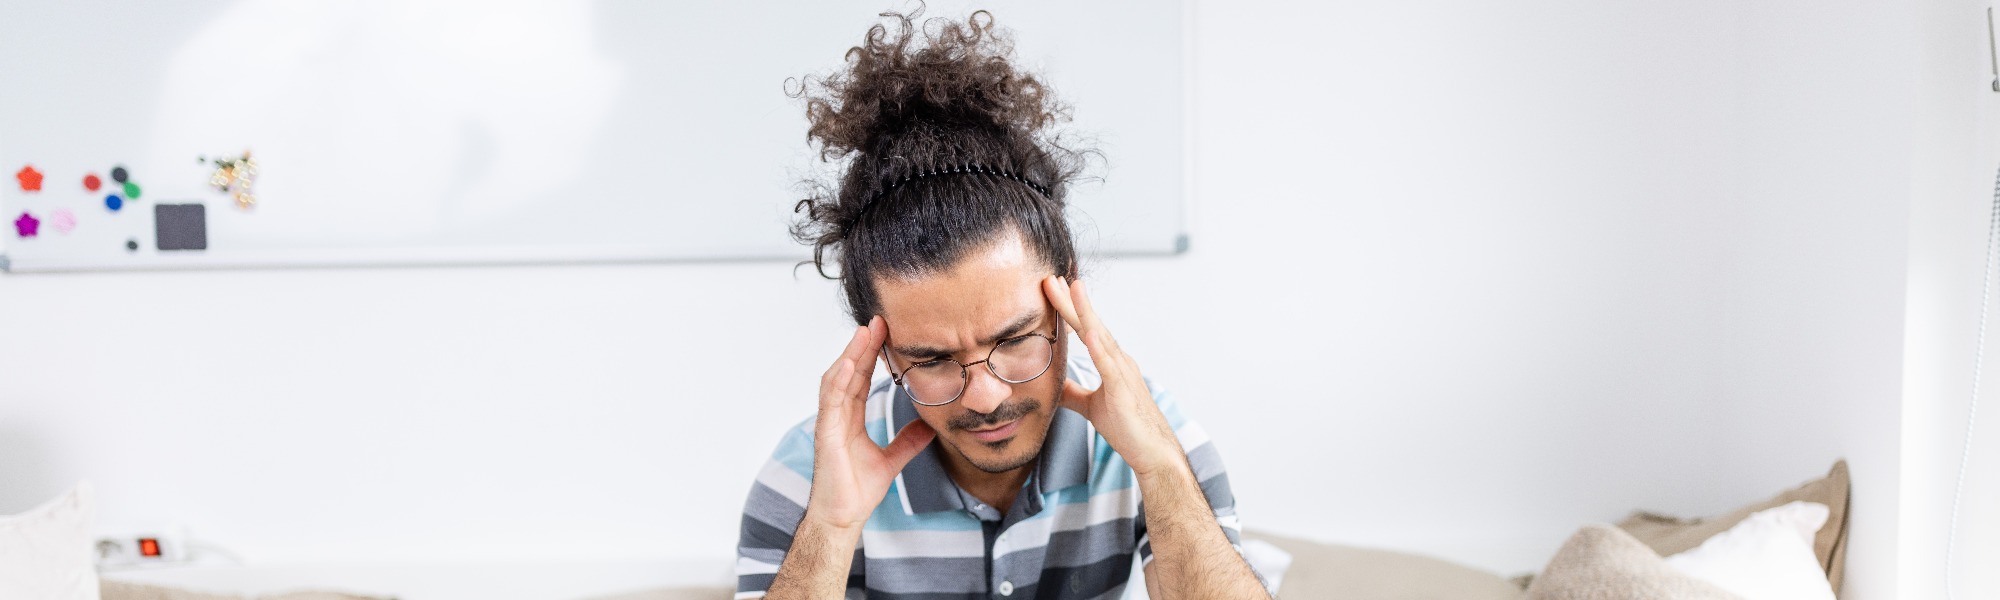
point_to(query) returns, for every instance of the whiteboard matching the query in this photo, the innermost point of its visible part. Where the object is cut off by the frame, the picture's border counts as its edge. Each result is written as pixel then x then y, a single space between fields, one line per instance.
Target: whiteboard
pixel 460 131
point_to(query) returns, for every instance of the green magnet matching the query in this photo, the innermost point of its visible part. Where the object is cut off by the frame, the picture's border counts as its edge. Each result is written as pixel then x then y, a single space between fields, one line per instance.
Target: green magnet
pixel 131 190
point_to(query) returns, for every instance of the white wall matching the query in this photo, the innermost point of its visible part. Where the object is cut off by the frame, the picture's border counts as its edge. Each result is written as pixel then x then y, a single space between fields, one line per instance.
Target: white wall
pixel 1952 191
pixel 1463 278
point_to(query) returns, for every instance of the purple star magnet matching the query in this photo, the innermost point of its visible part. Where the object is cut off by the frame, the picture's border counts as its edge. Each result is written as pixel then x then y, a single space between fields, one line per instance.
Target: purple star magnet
pixel 27 225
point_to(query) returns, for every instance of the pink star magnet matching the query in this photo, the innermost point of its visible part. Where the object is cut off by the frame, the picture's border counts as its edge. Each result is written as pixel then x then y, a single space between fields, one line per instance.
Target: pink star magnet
pixel 27 225
pixel 63 220
pixel 31 180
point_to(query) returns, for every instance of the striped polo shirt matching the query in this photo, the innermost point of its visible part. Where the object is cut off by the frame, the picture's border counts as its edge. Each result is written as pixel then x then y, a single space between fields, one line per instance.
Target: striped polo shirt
pixel 1073 532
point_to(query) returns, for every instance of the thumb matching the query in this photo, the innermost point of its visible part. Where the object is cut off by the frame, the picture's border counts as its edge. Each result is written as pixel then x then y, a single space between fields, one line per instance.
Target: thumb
pixel 1076 397
pixel 911 440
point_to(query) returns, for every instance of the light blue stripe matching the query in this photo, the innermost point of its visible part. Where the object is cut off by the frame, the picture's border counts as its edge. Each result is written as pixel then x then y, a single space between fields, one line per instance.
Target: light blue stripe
pixel 889 516
pixel 796 450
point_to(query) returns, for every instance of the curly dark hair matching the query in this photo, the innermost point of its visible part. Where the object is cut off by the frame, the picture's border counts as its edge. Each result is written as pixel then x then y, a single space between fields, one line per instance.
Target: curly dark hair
pixel 917 100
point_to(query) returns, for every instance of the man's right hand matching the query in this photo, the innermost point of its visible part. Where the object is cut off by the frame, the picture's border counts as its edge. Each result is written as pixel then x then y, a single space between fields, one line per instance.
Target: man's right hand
pixel 851 473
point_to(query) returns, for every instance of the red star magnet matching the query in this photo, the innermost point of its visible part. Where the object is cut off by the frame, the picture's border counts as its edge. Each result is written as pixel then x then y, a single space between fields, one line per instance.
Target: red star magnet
pixel 31 180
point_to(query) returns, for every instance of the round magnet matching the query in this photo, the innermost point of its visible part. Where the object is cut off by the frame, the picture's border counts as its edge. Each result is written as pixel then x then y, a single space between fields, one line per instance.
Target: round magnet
pixel 118 174
pixel 114 202
pixel 63 220
pixel 132 245
pixel 31 180
pixel 132 190
pixel 91 182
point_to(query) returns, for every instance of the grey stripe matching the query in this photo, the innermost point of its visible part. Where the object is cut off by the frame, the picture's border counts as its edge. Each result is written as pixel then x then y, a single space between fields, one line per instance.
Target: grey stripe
pixel 1207 462
pixel 769 506
pixel 926 574
pixel 1085 581
pixel 760 535
pixel 1090 544
pixel 759 582
pixel 1113 593
pixel 1217 490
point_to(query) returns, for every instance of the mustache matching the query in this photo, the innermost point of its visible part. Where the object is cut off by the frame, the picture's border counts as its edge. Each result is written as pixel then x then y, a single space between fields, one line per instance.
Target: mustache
pixel 1005 412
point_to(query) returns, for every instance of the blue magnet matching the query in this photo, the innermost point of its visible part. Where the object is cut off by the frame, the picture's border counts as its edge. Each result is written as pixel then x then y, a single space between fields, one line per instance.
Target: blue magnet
pixel 114 202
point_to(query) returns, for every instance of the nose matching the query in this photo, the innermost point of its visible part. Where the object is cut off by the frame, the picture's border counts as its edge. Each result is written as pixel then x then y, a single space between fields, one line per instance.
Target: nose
pixel 983 391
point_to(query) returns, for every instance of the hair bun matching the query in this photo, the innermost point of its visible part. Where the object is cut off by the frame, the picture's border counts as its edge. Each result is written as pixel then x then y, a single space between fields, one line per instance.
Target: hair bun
pixel 942 78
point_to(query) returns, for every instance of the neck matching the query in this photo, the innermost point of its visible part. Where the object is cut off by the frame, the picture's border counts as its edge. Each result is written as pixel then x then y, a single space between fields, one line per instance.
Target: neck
pixel 995 489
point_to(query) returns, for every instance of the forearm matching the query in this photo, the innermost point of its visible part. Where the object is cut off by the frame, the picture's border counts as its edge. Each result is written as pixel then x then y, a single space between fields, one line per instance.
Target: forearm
pixel 816 566
pixel 1192 558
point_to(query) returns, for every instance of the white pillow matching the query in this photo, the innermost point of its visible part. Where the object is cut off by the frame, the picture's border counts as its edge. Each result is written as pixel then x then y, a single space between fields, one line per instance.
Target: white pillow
pixel 45 553
pixel 1766 556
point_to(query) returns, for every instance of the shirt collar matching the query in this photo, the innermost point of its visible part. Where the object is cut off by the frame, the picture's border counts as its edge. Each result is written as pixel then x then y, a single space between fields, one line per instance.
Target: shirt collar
pixel 1065 459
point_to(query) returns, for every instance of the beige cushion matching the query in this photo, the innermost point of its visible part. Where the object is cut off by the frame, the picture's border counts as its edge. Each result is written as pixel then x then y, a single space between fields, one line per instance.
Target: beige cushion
pixel 1335 572
pixel 112 589
pixel 1671 535
pixel 1601 562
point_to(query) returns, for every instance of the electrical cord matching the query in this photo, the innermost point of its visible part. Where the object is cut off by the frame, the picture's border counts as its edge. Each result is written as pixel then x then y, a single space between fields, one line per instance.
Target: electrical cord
pixel 1972 405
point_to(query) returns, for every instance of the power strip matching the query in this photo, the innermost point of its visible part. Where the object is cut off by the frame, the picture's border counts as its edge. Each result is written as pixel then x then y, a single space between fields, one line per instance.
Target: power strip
pixel 140 549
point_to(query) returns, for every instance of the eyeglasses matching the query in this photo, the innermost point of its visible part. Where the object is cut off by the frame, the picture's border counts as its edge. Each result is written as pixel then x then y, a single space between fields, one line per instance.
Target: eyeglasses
pixel 941 381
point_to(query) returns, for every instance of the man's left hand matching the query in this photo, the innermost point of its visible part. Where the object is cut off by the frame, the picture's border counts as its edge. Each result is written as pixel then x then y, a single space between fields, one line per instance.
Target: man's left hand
pixel 1121 408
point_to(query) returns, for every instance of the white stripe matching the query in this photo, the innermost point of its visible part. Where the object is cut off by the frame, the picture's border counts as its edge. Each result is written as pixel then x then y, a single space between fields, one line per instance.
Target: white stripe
pixel 748 595
pixel 779 477
pixel 1032 534
pixel 923 543
pixel 1102 508
pixel 750 566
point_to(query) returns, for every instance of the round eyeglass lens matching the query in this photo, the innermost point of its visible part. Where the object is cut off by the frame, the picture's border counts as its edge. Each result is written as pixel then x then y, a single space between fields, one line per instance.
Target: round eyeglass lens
pixel 935 382
pixel 1021 359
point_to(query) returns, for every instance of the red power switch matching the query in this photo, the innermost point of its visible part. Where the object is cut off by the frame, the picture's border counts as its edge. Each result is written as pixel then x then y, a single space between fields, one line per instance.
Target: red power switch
pixel 149 547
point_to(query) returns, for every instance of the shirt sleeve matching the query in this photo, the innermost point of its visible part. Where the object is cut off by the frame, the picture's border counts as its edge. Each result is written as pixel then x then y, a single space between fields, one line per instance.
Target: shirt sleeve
pixel 772 513
pixel 1208 470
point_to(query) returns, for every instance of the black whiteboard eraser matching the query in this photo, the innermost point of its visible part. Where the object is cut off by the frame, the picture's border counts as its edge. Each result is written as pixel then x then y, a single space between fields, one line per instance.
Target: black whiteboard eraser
pixel 180 226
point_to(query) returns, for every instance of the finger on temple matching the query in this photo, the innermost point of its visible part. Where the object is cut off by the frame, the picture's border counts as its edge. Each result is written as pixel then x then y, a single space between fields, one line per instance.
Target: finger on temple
pixel 857 346
pixel 1058 293
pixel 912 439
pixel 871 336
pixel 833 399
pixel 878 334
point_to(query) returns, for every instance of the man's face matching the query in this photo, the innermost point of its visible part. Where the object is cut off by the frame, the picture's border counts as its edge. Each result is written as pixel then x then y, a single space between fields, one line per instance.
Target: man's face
pixel 994 294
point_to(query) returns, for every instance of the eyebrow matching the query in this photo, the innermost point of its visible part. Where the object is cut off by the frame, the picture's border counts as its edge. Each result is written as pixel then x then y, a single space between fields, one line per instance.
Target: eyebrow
pixel 1017 327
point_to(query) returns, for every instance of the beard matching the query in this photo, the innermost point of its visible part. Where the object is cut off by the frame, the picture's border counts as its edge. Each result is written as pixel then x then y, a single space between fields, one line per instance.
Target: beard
pixel 1007 412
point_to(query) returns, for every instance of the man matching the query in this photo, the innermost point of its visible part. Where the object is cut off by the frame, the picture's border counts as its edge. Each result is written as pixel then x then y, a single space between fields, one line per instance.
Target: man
pixel 1012 471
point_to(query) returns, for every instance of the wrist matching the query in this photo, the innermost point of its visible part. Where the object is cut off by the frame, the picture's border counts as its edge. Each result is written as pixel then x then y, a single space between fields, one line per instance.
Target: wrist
pixel 833 527
pixel 1163 462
